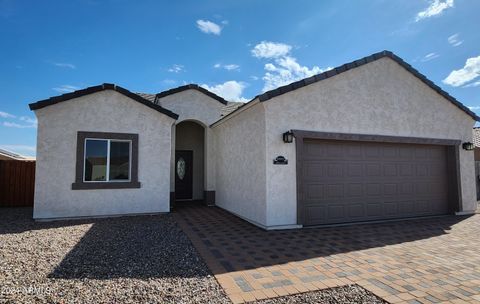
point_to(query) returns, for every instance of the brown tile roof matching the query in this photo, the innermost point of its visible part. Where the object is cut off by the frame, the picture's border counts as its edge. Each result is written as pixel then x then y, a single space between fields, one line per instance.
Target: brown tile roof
pixel 191 86
pixel 106 86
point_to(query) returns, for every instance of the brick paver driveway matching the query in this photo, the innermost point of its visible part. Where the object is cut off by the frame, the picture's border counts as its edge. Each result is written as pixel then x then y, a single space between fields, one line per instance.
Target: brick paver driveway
pixel 417 261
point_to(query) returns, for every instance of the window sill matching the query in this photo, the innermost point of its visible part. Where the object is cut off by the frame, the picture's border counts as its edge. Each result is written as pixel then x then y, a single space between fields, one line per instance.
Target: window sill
pixel 106 185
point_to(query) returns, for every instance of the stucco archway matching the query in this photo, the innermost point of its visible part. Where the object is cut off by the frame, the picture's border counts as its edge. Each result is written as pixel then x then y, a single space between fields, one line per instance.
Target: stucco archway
pixel 188 168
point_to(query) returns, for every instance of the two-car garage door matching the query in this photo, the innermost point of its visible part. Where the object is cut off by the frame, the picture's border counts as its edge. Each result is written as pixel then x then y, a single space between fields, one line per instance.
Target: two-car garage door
pixel 349 181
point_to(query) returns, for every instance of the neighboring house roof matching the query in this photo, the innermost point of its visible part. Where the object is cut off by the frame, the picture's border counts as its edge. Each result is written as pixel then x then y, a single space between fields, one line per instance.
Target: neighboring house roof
pixel 191 86
pixel 476 137
pixel 357 63
pixel 106 86
pixel 13 156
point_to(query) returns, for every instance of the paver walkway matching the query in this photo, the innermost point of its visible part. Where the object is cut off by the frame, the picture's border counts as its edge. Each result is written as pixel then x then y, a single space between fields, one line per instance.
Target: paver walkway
pixel 418 261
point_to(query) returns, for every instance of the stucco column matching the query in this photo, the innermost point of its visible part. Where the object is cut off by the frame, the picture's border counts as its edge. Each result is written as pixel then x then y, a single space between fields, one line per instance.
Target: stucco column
pixel 209 180
pixel 172 166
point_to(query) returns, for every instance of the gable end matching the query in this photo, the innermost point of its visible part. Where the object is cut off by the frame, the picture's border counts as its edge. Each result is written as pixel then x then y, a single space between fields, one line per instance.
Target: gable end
pixel 357 63
pixel 90 90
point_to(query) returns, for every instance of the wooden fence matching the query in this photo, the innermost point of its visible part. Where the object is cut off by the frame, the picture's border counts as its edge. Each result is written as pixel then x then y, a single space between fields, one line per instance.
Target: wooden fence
pixel 17 183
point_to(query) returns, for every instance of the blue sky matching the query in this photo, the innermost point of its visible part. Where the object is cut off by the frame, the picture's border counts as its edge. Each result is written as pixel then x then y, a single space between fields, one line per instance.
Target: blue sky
pixel 235 48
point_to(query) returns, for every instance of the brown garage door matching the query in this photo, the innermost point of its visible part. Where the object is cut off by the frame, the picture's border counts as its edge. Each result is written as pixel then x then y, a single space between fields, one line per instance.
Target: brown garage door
pixel 347 181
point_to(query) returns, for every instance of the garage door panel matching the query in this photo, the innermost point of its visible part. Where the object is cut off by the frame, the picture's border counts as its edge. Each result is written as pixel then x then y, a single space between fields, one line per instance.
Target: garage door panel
pixel 390 169
pixel 334 191
pixel 335 170
pixel 374 209
pixel 354 190
pixel 316 213
pixel 422 206
pixel 390 189
pixel 314 192
pixel 373 189
pixel 356 210
pixel 391 208
pixel 373 169
pixel 355 169
pixel 390 152
pixel 407 169
pixel 406 207
pixel 360 181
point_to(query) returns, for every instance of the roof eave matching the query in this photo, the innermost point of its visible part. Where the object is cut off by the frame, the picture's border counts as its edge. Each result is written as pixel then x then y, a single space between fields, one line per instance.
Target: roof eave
pixel 191 86
pixel 357 63
pixel 90 90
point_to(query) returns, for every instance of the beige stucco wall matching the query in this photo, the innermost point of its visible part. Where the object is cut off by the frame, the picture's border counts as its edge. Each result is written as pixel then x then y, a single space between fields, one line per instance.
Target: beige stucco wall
pixel 106 111
pixel 378 98
pixel 192 105
pixel 240 164
pixel 189 136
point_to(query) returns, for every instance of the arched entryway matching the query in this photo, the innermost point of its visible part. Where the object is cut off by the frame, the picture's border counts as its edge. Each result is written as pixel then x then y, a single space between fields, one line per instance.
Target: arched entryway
pixel 189 171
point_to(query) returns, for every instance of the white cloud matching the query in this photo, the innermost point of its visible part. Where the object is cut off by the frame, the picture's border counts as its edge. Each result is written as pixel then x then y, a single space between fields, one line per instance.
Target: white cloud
pixel 209 27
pixel 473 84
pixel 230 90
pixel 229 67
pixel 454 41
pixel 21 122
pixel 287 70
pixel 267 49
pixel 176 68
pixel 469 72
pixel 436 7
pixel 10 124
pixel 20 149
pixel 65 65
pixel 430 56
pixel 169 81
pixel 474 108
pixel 6 115
pixel 284 69
pixel 66 88
pixel 29 120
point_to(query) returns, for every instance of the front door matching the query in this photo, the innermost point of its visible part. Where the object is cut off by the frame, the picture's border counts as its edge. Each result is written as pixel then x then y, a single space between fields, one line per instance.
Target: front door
pixel 183 174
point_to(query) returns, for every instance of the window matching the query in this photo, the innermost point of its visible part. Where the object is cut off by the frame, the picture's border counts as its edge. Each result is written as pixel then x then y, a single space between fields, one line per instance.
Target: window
pixel 106 161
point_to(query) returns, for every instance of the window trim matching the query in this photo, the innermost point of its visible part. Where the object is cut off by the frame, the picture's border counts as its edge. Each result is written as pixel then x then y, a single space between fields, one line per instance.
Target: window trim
pixel 109 141
pixel 81 184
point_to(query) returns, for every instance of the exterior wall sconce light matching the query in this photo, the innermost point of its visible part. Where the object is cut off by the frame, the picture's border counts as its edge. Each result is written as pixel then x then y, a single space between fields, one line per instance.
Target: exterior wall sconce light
pixel 288 137
pixel 468 146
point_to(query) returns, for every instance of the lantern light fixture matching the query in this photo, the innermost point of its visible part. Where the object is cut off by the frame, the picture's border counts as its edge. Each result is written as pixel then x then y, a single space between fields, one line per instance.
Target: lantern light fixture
pixel 288 137
pixel 468 146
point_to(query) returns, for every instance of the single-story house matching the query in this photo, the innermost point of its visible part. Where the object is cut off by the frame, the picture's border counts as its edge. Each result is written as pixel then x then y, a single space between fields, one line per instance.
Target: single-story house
pixel 372 139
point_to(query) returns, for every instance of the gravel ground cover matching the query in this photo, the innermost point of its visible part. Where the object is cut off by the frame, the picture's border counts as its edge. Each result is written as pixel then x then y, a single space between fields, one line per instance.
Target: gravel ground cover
pixel 142 259
pixel 125 260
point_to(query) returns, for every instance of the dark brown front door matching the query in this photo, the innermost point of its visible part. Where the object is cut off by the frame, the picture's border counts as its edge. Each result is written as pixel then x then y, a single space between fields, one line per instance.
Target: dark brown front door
pixel 183 174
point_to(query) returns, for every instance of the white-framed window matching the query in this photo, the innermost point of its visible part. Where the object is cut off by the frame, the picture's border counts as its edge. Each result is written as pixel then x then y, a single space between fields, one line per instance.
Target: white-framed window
pixel 107 160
